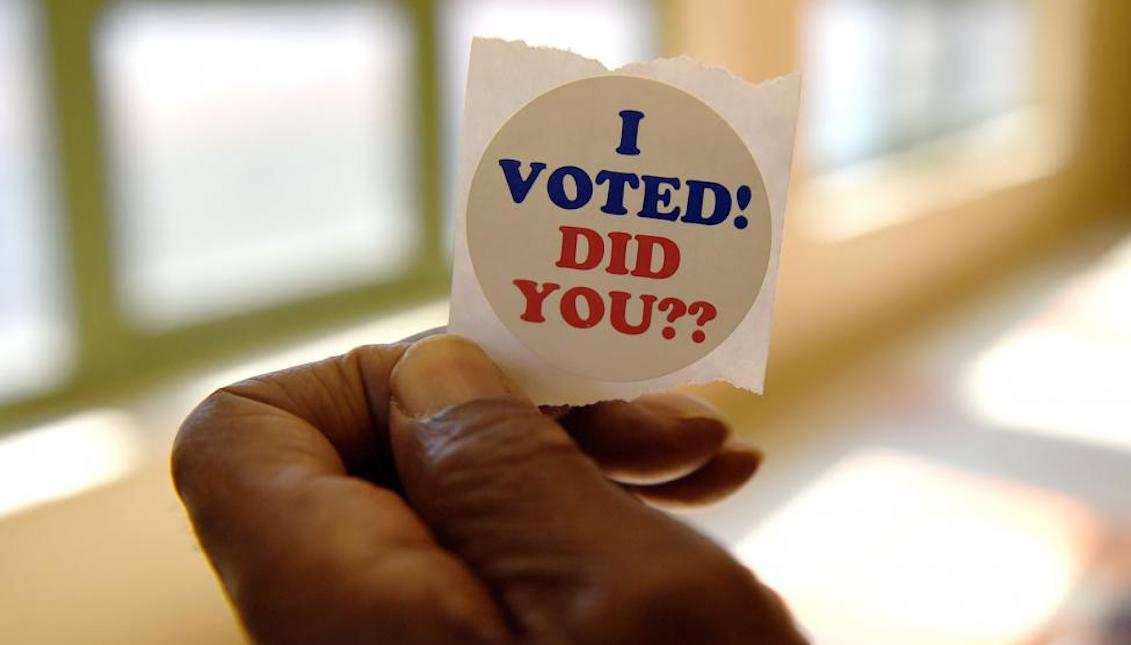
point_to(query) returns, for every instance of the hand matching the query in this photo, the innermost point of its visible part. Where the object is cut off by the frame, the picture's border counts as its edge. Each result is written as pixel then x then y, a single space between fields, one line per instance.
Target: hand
pixel 413 495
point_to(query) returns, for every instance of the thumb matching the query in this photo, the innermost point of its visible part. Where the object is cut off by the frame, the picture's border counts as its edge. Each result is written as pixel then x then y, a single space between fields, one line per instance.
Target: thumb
pixel 568 555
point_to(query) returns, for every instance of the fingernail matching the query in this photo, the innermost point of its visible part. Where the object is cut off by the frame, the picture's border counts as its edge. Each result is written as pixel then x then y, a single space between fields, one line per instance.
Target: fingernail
pixel 678 406
pixel 441 371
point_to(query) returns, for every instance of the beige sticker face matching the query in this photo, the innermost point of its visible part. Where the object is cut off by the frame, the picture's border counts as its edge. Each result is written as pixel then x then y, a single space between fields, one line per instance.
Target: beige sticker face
pixel 619 228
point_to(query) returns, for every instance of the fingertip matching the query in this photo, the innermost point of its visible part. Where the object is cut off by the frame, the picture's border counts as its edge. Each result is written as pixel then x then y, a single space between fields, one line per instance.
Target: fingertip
pixel 655 438
pixel 421 335
pixel 731 468
pixel 697 420
pixel 444 370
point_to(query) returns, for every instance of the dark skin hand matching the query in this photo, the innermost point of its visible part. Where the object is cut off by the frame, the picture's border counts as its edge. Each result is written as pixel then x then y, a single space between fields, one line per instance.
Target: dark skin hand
pixel 412 494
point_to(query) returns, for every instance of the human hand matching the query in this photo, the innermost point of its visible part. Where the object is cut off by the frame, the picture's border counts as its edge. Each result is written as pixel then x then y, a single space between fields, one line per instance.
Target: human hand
pixel 414 495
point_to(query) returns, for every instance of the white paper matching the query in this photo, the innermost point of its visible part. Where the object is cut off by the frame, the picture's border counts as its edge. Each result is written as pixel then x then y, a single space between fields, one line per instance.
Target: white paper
pixel 505 76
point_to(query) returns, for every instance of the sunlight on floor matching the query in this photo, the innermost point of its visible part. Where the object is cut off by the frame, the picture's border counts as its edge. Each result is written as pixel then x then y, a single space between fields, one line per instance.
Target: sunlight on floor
pixel 848 554
pixel 65 457
pixel 79 453
pixel 1066 372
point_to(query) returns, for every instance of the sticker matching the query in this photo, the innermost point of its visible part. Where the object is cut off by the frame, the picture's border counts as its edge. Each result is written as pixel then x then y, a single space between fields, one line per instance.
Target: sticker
pixel 618 233
pixel 619 228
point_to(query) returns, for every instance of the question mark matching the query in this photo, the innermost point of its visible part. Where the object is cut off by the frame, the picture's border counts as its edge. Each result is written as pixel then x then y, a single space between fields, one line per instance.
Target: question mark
pixel 677 309
pixel 706 312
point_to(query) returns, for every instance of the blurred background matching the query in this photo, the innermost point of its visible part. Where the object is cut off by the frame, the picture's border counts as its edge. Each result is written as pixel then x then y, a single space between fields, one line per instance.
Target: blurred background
pixel 192 192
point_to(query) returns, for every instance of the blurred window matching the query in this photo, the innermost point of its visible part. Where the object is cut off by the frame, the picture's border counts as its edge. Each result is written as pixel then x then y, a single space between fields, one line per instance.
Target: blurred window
pixel 34 339
pixel 260 153
pixel 613 33
pixel 886 76
pixel 262 170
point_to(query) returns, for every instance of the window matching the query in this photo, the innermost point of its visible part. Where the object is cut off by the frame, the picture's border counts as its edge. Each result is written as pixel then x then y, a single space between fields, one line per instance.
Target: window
pixel 34 336
pixel 917 106
pixel 261 153
pixel 231 173
pixel 889 75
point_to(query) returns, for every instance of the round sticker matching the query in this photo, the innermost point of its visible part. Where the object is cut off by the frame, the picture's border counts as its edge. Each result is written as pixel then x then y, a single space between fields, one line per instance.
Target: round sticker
pixel 619 227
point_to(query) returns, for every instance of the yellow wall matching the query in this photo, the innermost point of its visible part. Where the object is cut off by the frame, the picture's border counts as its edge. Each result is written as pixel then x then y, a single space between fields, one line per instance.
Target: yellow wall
pixel 836 298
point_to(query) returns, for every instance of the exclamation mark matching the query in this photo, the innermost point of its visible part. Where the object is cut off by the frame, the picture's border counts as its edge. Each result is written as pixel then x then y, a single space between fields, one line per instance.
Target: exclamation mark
pixel 743 199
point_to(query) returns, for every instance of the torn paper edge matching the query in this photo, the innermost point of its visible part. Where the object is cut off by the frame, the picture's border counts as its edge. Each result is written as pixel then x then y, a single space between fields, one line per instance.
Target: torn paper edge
pixel 765 117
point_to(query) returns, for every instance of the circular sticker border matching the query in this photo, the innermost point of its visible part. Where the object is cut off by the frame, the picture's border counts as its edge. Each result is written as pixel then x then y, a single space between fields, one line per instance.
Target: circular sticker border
pixel 763 270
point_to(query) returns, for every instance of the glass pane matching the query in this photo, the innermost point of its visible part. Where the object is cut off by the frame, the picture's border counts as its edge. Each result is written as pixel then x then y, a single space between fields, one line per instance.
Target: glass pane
pixel 613 33
pixel 261 153
pixel 35 339
pixel 888 75
pixel 982 66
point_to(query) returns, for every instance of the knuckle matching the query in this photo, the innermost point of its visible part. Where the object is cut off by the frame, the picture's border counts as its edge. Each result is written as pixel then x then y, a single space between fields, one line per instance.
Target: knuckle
pixel 195 445
pixel 183 459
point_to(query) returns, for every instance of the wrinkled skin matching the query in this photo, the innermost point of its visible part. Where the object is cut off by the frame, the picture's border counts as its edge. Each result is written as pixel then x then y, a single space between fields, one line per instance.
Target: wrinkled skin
pixel 403 494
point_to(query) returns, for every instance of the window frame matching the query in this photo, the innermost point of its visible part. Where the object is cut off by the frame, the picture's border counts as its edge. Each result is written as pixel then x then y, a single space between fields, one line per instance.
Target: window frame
pixel 871 284
pixel 114 357
pixel 936 175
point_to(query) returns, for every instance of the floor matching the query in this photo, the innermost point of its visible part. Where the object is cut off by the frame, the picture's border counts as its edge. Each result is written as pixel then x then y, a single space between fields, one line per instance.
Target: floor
pixel 969 484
